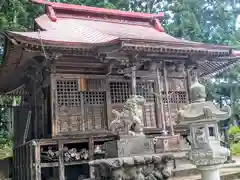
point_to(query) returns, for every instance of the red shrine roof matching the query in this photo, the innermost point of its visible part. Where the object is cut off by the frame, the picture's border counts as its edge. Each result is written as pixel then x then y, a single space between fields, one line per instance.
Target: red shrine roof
pixel 74 26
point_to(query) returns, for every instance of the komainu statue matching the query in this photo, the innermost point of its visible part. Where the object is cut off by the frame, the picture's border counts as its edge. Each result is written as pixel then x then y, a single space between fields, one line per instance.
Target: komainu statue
pixel 130 120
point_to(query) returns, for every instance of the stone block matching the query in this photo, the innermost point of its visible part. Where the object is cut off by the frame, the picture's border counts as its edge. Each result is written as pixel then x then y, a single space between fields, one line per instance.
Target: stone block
pixel 129 146
pixel 167 143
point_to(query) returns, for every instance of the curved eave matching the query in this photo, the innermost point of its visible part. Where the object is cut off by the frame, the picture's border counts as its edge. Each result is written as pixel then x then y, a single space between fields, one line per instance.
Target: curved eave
pixel 211 69
pixel 84 37
pixel 176 47
pixel 35 42
pixel 187 48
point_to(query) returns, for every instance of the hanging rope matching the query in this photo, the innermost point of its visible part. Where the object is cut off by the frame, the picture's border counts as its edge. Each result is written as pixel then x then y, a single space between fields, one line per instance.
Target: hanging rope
pixel 44 64
pixel 42 45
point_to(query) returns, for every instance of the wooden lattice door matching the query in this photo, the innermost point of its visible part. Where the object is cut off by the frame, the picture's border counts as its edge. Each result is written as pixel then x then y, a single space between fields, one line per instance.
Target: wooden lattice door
pixel 80 105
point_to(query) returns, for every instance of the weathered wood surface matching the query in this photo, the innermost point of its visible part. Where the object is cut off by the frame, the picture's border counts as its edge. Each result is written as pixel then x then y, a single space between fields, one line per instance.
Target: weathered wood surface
pixel 81 110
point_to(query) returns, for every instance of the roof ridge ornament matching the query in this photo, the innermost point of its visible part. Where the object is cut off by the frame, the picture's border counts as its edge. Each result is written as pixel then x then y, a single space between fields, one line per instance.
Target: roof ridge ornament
pixel 103 11
pixel 157 25
pixel 51 13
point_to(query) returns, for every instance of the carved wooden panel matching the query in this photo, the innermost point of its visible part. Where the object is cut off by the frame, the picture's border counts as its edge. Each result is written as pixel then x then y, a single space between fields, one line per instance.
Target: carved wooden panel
pixel 81 105
pixel 149 115
pixel 95 116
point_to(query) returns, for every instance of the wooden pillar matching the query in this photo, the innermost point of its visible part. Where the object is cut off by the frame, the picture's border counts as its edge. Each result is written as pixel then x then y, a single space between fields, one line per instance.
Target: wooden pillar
pixel 38 173
pixel 31 161
pixel 160 111
pixel 188 84
pixel 61 162
pixel 42 120
pixel 35 110
pixel 46 110
pixel 134 83
pixel 108 103
pixel 168 105
pixel 54 111
pixel 82 121
pixel 91 155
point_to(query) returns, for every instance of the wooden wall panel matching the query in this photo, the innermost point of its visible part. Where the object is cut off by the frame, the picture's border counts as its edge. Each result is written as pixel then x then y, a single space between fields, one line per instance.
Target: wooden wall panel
pixel 20 119
pixel 23 162
pixel 85 102
pixel 80 105
pixel 149 115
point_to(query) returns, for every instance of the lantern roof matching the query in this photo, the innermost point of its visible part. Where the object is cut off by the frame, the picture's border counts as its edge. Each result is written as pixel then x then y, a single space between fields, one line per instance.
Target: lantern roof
pixel 200 110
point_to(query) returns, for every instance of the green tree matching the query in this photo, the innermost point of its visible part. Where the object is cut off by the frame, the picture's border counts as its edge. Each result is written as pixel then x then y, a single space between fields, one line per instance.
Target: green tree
pixel 209 21
pixel 18 15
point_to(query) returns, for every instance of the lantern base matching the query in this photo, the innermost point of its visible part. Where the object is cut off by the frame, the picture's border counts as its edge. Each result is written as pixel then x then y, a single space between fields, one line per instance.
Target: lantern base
pixel 210 172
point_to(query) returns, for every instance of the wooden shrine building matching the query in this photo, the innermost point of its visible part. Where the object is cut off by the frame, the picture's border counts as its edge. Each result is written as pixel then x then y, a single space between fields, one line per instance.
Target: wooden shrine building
pixel 78 65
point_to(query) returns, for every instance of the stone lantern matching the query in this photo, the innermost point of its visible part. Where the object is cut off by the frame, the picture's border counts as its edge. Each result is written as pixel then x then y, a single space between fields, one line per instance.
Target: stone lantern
pixel 202 116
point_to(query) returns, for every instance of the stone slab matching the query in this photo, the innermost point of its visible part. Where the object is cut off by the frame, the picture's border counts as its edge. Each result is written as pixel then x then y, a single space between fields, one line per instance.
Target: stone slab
pixel 232 175
pixel 129 146
pixel 167 143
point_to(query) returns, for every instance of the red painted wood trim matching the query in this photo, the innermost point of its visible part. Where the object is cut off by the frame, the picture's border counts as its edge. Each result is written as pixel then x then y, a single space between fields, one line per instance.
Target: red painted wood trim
pixel 51 13
pixel 64 6
pixel 158 26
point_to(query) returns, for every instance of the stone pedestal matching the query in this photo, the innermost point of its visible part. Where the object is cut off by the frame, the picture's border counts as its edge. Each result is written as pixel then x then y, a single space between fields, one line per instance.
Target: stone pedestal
pixel 210 172
pixel 129 146
pixel 167 143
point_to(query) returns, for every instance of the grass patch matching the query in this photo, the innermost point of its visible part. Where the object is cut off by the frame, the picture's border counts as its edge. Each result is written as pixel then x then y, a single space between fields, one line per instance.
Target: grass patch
pixel 234 133
pixel 5 152
pixel 235 149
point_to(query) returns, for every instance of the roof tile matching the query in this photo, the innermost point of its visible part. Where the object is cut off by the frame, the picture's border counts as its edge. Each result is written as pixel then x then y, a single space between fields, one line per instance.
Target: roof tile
pixel 120 30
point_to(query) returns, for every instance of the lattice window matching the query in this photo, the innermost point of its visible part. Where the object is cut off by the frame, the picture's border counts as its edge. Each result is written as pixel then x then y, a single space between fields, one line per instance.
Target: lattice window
pixel 67 93
pixel 182 97
pixel 175 97
pixel 94 98
pixel 146 90
pixel 121 91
